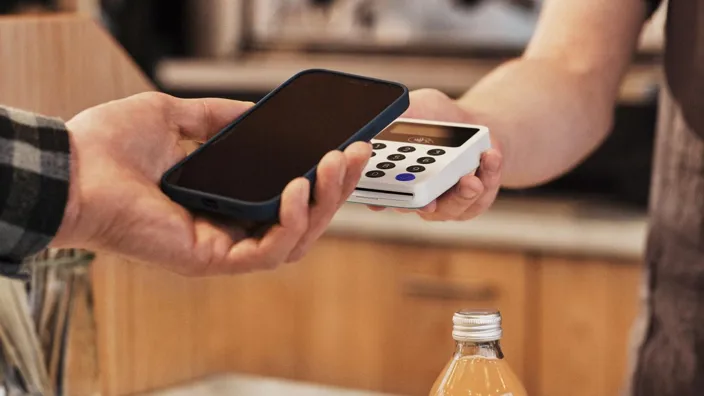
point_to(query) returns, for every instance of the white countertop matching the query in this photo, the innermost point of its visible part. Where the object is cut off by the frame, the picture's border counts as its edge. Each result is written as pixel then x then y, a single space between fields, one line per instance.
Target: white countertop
pixel 243 385
pixel 540 226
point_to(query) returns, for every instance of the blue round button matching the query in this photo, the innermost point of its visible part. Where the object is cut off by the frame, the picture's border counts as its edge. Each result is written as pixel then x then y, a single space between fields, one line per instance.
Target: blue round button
pixel 405 177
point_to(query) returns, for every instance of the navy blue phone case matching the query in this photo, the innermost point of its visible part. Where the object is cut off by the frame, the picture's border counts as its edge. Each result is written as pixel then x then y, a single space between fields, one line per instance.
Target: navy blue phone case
pixel 268 211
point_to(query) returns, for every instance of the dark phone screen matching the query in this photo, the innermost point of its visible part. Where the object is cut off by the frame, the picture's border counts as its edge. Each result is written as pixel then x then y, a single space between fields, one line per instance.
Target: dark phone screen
pixel 285 136
pixel 436 135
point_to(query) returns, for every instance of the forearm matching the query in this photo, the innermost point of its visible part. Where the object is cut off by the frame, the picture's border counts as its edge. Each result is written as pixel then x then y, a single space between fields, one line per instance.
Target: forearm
pixel 544 119
pixel 34 179
pixel 554 106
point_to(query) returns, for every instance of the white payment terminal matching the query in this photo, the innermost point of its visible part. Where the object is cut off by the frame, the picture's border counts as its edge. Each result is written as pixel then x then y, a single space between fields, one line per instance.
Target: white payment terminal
pixel 416 161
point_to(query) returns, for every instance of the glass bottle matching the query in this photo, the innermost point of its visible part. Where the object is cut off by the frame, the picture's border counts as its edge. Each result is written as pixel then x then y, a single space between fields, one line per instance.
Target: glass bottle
pixel 478 367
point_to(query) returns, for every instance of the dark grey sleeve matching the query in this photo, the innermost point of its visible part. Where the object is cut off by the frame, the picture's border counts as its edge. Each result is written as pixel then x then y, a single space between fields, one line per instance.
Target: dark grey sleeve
pixel 34 179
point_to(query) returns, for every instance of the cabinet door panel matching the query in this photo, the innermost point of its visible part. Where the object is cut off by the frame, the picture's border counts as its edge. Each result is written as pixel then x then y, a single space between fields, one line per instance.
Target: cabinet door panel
pixel 248 323
pixel 586 311
pixel 344 313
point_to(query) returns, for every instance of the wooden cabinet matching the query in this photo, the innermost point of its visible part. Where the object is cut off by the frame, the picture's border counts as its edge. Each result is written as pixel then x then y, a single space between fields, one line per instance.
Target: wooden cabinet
pixel 353 313
pixel 368 315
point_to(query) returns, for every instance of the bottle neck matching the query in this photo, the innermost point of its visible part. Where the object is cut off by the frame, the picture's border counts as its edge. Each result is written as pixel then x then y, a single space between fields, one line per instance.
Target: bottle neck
pixel 491 349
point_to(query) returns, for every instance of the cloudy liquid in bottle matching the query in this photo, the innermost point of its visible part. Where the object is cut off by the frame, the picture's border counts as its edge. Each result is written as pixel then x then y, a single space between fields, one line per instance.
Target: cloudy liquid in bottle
pixel 478 367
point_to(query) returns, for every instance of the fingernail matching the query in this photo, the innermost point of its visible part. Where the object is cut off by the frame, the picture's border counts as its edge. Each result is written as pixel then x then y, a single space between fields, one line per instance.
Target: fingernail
pixel 467 192
pixel 492 166
pixel 343 172
pixel 305 193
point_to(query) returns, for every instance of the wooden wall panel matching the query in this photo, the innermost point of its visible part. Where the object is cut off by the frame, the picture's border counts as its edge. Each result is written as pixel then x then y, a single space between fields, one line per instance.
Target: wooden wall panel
pixel 62 64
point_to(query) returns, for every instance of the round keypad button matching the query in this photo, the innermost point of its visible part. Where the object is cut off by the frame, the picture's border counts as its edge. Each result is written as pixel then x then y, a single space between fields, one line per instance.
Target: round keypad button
pixel 396 157
pixel 385 165
pixel 373 153
pixel 436 152
pixel 415 168
pixel 378 146
pixel 426 160
pixel 406 149
pixel 375 174
pixel 405 177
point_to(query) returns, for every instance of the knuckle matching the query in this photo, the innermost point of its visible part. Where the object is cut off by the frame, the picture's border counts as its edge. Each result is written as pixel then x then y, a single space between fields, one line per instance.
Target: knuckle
pixel 155 97
pixel 460 203
pixel 479 192
pixel 158 102
pixel 463 201
pixel 430 93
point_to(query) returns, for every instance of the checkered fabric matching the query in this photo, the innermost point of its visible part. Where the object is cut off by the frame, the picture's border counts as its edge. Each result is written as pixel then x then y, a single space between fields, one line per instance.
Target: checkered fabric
pixel 34 179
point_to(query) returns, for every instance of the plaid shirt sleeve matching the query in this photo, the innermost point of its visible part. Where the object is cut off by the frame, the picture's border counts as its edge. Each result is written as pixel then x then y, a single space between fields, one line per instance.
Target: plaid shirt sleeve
pixel 34 179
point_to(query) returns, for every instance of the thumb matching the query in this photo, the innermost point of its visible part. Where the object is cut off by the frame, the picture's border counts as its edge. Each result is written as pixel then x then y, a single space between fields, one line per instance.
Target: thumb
pixel 200 119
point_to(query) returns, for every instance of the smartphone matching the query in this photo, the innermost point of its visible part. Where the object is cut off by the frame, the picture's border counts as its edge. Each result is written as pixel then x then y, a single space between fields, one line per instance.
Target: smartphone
pixel 242 171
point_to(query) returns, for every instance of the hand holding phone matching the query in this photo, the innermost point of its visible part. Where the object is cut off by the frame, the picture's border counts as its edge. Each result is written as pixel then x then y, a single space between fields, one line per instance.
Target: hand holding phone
pixel 116 206
pixel 241 172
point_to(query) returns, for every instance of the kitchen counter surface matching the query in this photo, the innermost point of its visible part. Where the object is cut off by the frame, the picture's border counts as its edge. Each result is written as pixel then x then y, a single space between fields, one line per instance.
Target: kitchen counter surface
pixel 537 225
pixel 243 385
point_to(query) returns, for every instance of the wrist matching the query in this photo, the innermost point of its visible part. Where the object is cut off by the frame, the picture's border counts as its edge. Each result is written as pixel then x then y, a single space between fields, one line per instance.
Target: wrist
pixel 66 233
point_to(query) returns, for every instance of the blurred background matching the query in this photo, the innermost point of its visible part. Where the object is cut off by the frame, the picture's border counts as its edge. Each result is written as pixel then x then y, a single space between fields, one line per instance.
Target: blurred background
pixel 243 49
pixel 371 307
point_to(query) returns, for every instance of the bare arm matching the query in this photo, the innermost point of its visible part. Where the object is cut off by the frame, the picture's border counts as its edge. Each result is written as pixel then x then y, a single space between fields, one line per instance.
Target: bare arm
pixel 549 109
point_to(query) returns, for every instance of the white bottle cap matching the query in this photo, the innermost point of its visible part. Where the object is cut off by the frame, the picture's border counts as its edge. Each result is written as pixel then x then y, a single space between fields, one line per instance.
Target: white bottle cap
pixel 477 326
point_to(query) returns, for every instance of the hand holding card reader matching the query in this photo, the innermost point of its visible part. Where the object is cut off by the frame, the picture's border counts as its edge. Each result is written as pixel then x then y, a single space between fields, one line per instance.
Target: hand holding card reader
pixel 416 161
